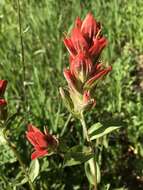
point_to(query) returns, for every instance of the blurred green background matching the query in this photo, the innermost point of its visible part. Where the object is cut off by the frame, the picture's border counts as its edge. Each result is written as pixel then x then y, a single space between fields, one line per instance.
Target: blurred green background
pixel 119 97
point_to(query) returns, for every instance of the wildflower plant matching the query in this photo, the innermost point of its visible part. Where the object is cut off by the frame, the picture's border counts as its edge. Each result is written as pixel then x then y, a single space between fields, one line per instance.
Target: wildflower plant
pixel 85 45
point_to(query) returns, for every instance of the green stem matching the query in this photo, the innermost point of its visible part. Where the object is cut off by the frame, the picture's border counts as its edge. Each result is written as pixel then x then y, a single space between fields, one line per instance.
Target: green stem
pixel 85 135
pixel 13 148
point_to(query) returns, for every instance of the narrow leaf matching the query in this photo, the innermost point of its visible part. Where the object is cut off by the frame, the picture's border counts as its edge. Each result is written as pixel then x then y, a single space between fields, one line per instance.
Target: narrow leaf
pixel 94 127
pixel 90 172
pixel 98 130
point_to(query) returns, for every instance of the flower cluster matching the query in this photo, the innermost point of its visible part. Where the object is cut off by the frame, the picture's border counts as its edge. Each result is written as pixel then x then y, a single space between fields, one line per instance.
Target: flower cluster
pixel 85 45
pixel 3 103
pixel 43 142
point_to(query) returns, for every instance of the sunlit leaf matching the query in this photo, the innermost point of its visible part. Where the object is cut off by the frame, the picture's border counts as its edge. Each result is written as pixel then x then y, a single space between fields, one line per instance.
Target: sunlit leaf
pixel 90 172
pixel 94 127
pixel 98 130
pixel 34 169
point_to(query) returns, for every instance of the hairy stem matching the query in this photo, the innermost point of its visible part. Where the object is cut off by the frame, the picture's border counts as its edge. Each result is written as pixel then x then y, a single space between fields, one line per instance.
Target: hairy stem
pixel 85 135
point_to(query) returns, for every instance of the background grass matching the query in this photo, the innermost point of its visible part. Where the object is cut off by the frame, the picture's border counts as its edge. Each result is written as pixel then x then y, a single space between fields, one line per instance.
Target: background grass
pixel 119 97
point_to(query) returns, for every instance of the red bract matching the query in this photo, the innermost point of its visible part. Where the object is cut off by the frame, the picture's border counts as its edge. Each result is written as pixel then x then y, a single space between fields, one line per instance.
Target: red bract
pixel 70 78
pixel 81 66
pixel 3 84
pixel 41 141
pixel 86 37
pixel 82 69
pixel 97 73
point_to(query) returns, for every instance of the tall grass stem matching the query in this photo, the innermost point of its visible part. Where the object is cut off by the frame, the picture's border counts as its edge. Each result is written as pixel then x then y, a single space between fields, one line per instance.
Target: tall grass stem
pixel 22 55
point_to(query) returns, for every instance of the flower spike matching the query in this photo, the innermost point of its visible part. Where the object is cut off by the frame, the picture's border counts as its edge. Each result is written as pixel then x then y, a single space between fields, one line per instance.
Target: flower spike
pixel 85 45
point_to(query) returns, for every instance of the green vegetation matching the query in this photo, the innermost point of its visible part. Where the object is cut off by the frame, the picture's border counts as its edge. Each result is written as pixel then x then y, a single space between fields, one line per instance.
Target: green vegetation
pixel 119 97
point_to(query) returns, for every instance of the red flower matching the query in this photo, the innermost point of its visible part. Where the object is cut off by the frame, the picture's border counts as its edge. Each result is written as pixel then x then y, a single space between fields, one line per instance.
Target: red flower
pixel 3 84
pixel 3 102
pixel 85 46
pixel 41 141
pixel 86 37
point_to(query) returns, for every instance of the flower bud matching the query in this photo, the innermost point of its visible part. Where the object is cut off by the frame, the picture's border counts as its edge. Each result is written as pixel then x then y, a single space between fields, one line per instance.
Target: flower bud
pixel 88 102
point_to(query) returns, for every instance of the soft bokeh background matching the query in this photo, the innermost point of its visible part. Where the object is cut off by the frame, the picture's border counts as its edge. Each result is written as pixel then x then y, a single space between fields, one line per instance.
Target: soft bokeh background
pixel 119 97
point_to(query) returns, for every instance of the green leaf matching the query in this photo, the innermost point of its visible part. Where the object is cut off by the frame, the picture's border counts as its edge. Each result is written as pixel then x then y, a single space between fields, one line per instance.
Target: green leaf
pixel 90 172
pixel 94 127
pixel 98 173
pixel 77 155
pixel 98 130
pixel 6 154
pixel 34 169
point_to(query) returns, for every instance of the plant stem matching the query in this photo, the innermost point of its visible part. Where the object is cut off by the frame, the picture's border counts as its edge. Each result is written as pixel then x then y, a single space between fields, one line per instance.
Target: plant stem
pixel 85 135
pixel 13 148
